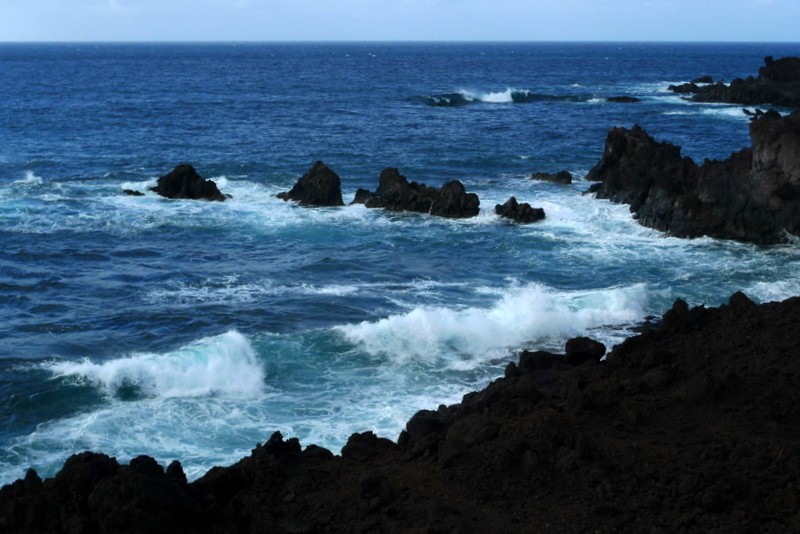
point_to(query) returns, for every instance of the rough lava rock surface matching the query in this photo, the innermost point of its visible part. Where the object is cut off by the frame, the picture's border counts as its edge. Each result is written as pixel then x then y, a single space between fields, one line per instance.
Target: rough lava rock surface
pixel 184 182
pixel 689 427
pixel 521 213
pixel 753 196
pixel 320 186
pixel 396 193
pixel 778 83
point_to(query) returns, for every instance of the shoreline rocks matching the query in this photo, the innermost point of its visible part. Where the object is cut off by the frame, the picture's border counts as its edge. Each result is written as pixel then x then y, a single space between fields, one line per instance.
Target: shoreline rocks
pixel 752 196
pixel 778 84
pixel 690 426
pixel 183 182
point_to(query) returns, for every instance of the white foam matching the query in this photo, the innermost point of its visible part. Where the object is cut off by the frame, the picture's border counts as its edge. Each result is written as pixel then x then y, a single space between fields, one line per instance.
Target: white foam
pixel 498 97
pixel 31 178
pixel 471 335
pixel 224 365
pixel 775 291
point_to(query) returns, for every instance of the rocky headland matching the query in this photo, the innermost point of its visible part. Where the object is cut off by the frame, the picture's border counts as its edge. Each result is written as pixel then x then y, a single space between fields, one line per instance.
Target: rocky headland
pixel 752 196
pixel 691 426
pixel 778 84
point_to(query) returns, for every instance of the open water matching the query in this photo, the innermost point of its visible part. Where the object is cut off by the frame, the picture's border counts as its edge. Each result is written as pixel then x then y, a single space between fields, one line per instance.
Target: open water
pixel 193 330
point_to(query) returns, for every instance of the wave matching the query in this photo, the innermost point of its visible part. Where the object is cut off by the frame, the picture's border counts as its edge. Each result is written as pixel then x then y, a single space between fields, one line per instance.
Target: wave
pixel 467 337
pixel 509 96
pixel 31 178
pixel 223 365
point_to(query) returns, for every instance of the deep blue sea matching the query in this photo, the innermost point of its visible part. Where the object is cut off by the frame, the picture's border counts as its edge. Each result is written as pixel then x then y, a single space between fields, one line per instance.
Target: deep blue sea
pixel 193 330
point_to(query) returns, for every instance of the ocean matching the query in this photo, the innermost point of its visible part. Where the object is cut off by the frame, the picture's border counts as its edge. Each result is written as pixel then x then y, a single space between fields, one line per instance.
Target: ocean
pixel 192 330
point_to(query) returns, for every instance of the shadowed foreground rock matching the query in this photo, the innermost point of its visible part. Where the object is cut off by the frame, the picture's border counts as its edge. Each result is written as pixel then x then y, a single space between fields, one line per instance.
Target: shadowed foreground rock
pixel 778 83
pixel 184 182
pixel 320 186
pixel 693 426
pixel 396 193
pixel 754 195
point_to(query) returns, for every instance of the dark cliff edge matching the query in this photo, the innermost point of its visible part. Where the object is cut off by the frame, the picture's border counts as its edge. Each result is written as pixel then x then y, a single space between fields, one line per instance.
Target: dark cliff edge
pixel 752 196
pixel 692 426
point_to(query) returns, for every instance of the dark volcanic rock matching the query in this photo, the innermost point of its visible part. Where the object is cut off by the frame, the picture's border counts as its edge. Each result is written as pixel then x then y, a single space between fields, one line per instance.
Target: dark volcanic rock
pixel 703 79
pixel 560 177
pixel 690 427
pixel 623 99
pixel 778 83
pixel 132 193
pixel 184 182
pixel 320 186
pixel 751 196
pixel 521 213
pixel 395 193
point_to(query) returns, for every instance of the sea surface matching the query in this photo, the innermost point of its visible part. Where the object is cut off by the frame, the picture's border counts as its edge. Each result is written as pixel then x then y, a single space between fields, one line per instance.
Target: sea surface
pixel 193 330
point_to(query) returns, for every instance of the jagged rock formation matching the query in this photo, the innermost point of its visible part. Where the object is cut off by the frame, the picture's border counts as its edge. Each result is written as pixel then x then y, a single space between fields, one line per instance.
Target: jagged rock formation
pixel 396 193
pixel 521 213
pixel 778 83
pixel 754 195
pixel 319 186
pixel 184 182
pixel 690 427
pixel 560 177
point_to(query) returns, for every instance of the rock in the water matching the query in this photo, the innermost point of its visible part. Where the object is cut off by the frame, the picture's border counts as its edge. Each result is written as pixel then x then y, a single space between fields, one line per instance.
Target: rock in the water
pixel 132 193
pixel 623 99
pixel 753 196
pixel 560 177
pixel 521 213
pixel 778 83
pixel 184 182
pixel 320 186
pixel 703 79
pixel 396 193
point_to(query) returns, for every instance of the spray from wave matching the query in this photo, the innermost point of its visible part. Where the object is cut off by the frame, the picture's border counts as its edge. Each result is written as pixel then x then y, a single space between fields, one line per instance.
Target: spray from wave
pixel 468 336
pixel 224 365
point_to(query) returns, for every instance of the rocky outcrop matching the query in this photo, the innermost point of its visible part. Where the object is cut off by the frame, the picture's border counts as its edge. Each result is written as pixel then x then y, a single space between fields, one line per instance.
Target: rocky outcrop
pixel 560 177
pixel 396 193
pixel 320 186
pixel 521 213
pixel 753 196
pixel 690 427
pixel 778 83
pixel 184 182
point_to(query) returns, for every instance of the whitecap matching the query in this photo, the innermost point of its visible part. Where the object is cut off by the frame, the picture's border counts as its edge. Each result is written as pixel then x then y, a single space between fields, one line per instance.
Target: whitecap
pixel 223 365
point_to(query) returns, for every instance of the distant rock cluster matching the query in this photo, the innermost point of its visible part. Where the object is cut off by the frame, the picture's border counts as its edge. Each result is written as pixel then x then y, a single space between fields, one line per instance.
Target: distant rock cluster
pixel 778 83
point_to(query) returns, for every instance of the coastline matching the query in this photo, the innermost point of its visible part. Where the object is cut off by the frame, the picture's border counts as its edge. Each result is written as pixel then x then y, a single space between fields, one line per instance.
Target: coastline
pixel 689 426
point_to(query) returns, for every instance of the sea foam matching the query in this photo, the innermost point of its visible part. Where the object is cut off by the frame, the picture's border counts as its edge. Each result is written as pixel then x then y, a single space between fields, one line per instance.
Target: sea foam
pixel 224 365
pixel 469 336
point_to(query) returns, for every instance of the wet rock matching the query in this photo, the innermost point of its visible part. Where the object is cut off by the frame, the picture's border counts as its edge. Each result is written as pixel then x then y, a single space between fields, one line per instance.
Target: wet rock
pixel 582 349
pixel 319 186
pixel 747 197
pixel 521 213
pixel 623 99
pixel 183 182
pixel 560 177
pixel 396 193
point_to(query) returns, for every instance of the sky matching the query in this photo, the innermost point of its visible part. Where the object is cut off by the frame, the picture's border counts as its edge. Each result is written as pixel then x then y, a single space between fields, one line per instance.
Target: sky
pixel 399 20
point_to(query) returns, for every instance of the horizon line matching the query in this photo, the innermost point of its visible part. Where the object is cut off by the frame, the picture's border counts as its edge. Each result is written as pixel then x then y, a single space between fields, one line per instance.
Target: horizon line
pixel 395 41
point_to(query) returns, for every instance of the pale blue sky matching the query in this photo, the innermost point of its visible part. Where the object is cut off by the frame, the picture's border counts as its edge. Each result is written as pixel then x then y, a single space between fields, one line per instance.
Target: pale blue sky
pixel 386 20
